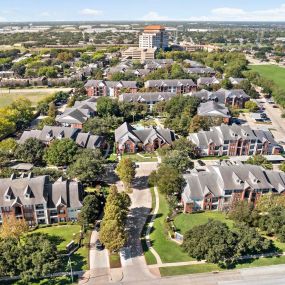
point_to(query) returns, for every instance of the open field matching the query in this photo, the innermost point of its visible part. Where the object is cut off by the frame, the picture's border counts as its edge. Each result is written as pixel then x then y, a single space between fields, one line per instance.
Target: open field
pixel 7 96
pixel 272 72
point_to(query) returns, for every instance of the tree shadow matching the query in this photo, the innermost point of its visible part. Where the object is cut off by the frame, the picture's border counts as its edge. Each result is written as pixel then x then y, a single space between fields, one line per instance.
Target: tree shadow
pixel 140 183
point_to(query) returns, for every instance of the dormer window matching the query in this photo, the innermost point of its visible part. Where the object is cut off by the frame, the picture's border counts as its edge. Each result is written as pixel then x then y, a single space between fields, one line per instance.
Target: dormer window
pixel 60 135
pixel 7 197
pixel 49 134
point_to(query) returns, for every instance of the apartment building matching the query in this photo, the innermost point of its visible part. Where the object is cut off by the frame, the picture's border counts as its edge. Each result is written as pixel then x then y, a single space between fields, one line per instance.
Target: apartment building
pixel 149 98
pixel 109 88
pixel 178 86
pixel 40 201
pixel 235 97
pixel 50 133
pixel 154 36
pixel 130 140
pixel 221 186
pixel 76 116
pixel 234 140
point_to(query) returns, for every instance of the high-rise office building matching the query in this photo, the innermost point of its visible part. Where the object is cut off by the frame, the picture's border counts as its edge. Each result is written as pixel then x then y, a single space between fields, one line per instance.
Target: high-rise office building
pixel 154 36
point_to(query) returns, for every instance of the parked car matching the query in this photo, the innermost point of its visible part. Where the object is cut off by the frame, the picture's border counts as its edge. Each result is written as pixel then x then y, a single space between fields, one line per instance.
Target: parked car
pixel 275 106
pixel 97 226
pixel 99 245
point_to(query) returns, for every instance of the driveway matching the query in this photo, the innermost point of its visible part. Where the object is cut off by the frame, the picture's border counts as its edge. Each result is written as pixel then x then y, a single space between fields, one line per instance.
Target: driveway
pixel 99 271
pixel 132 258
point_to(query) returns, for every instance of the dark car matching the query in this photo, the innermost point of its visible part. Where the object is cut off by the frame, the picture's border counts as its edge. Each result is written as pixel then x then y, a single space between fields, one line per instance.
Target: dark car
pixel 97 226
pixel 99 245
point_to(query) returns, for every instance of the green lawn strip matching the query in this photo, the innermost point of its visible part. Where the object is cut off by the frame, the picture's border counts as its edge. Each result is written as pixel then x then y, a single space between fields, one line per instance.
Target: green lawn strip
pixel 62 280
pixel 138 158
pixel 271 72
pixel 168 250
pixel 214 157
pixel 210 267
pixel 115 261
pixel 185 222
pixel 149 257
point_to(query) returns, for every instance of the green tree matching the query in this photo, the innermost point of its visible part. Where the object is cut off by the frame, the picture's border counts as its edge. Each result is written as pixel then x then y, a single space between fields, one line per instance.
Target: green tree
pixel 51 110
pixel 260 160
pixel 31 151
pixel 90 210
pixel 242 212
pixel 212 241
pixel 107 107
pixel 184 145
pixel 61 152
pixel 168 180
pixel 126 171
pixel 282 167
pixel 88 166
pixel 251 106
pixel 178 160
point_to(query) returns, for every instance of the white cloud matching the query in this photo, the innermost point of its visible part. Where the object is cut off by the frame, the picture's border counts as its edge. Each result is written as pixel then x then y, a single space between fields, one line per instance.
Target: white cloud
pixel 91 12
pixel 45 14
pixel 237 14
pixel 154 16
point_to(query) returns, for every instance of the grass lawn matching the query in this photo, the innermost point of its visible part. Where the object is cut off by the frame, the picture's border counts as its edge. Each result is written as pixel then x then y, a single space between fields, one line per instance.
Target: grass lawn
pixel 6 99
pixel 209 267
pixel 185 222
pixel 62 235
pixel 168 250
pixel 115 261
pixel 214 157
pixel 141 157
pixel 272 72
pixel 63 280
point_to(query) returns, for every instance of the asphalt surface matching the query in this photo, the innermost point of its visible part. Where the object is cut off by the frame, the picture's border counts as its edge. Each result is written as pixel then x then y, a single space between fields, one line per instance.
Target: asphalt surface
pixel 270 275
pixel 132 258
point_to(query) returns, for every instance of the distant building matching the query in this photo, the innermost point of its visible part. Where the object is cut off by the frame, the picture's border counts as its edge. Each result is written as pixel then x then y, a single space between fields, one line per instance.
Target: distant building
pixel 76 116
pixel 149 98
pixel 202 71
pixel 235 97
pixel 234 140
pixel 50 133
pixel 207 81
pixel 138 53
pixel 236 81
pixel 220 186
pixel 131 140
pixel 178 86
pixel 154 36
pixel 109 88
pixel 37 200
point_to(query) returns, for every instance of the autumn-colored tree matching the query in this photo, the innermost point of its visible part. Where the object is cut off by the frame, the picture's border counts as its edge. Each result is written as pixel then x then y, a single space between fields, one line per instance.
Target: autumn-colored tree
pixel 126 170
pixel 13 227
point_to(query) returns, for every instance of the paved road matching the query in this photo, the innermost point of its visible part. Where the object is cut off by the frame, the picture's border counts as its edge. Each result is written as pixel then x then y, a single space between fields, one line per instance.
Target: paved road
pixel 132 258
pixel 99 271
pixel 271 275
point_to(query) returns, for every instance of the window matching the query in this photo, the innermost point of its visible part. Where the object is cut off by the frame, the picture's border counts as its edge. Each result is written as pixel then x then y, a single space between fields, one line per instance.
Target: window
pixel 228 192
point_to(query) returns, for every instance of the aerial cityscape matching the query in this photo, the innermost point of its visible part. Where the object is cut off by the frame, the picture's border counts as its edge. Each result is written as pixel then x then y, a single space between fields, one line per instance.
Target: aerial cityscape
pixel 142 142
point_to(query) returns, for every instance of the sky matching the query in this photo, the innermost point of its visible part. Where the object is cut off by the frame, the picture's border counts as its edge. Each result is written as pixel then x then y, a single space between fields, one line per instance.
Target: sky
pixel 142 10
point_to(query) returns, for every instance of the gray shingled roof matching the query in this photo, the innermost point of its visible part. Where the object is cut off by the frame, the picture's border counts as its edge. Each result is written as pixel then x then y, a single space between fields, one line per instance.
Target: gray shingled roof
pixel 146 97
pixel 213 109
pixel 216 179
pixel 169 82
